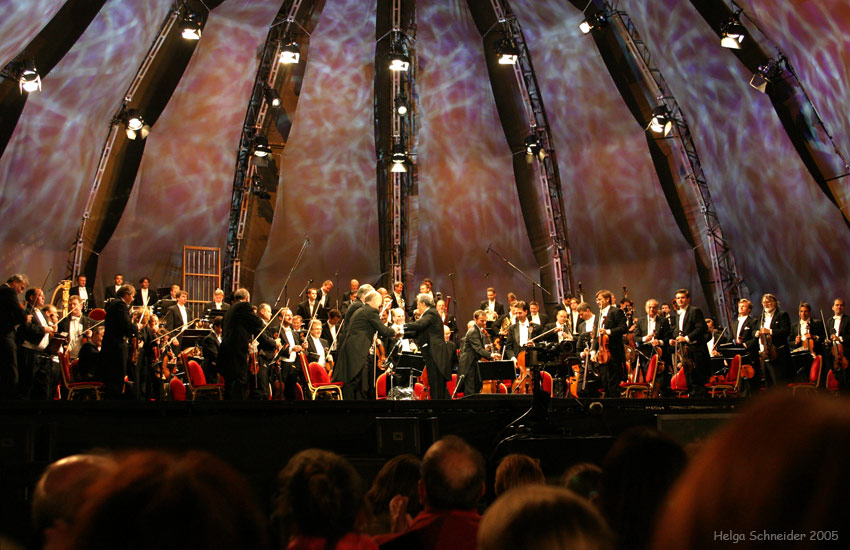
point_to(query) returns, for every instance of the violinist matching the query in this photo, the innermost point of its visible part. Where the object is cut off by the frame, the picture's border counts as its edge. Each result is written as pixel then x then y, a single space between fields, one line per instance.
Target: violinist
pixel 652 333
pixel 150 374
pixel 716 336
pixel 560 329
pixel 33 359
pixel 145 296
pixel 209 349
pixel 476 346
pixel 807 333
pixel 297 323
pixel 89 357
pixel 330 331
pixel 318 347
pixel 267 345
pixel 239 326
pixel 838 331
pixel 744 332
pixel 11 316
pixel 290 366
pixel 115 350
pixel 773 332
pixel 611 324
pixel 689 329
pixel 520 332
pixel 75 325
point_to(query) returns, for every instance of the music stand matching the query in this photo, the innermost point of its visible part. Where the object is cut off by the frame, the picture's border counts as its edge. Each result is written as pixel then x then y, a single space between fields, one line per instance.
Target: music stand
pixel 731 349
pixel 209 313
pixel 497 370
pixel 409 364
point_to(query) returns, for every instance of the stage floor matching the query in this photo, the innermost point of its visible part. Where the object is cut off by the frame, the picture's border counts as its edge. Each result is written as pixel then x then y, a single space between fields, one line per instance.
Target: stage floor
pixel 258 438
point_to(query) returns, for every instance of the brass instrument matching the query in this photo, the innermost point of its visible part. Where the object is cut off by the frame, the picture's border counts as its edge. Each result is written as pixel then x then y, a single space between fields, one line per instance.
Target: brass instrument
pixel 491 315
pixel 65 287
pixel 506 325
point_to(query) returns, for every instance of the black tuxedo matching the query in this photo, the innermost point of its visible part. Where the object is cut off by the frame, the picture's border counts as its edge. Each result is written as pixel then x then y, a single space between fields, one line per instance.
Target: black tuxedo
pixel 173 318
pixel 450 322
pixel 91 302
pixel 152 298
pixel 209 349
pixel 211 305
pixel 11 315
pixel 430 341
pixel 512 347
pixel 65 326
pixel 843 331
pixel 353 355
pixel 114 350
pixel 748 339
pixel 325 305
pixel 499 308
pixel 613 371
pixel 662 331
pixel 88 362
pixel 553 335
pixel 543 319
pixel 779 371
pixel 239 326
pixel 111 292
pixel 473 350
pixel 313 352
pixel 306 312
pixel 696 331
pixel 346 322
pixel 328 336
pixel 396 304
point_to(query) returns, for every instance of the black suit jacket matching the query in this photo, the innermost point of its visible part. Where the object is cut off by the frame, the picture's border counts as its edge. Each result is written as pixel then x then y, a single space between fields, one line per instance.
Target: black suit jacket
pixel 239 325
pixel 91 302
pixel 748 338
pixel 395 302
pixel 695 329
pixel 305 312
pixel 449 322
pixel 111 292
pixel 615 321
pixel 543 318
pixel 65 324
pixel 346 322
pixel 472 350
pixel 313 352
pixel 211 305
pixel 354 350
pixel 780 329
pixel 209 349
pixel 152 297
pixel 429 339
pixel 11 312
pixel 326 333
pixel 843 331
pixel 512 347
pixel 817 332
pixel 663 331
pixel 173 319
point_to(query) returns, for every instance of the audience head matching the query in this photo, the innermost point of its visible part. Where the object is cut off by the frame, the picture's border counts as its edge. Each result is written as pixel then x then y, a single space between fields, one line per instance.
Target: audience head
pixel 636 475
pixel 154 499
pixel 515 470
pixel 585 480
pixel 780 466
pixel 399 476
pixel 539 516
pixel 452 475
pixel 320 496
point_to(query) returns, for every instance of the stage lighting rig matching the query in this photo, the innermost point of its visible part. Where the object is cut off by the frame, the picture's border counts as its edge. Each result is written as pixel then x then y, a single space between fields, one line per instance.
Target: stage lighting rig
pixel 401 106
pixel 507 52
pixel 190 27
pixel 766 74
pixel 135 124
pixel 290 54
pixel 261 147
pixel 272 97
pixel 732 32
pixel 25 72
pixel 399 61
pixel 661 121
pixel 593 21
pixel 534 148
pixel 399 158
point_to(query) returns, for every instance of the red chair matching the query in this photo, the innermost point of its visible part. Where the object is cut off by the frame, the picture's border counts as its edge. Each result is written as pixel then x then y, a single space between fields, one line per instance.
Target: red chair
pixel 318 381
pixel 198 382
pixel 77 387
pixel 381 387
pixel 831 383
pixel 729 386
pixel 177 390
pixel 643 389
pixel 546 383
pixel 814 378
pixel 451 385
pixel 97 314
pixel 679 384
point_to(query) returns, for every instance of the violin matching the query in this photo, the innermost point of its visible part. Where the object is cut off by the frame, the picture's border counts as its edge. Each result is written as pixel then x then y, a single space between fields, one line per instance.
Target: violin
pixel 839 359
pixel 603 354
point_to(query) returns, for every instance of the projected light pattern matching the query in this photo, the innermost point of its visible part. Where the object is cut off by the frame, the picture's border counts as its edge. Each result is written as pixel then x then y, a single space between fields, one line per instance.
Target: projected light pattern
pixel 182 194
pixel 786 236
pixel 48 166
pixel 21 22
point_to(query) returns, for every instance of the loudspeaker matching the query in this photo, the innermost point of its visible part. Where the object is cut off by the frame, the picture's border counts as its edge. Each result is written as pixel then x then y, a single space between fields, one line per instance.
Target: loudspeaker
pixel 398 436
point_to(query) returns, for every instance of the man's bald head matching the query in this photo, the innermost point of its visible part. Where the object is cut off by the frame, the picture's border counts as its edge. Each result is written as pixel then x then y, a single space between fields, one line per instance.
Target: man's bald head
pixel 452 475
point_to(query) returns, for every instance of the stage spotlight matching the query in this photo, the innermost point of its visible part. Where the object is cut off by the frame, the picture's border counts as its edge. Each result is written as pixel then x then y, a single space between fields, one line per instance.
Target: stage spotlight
pixel 732 33
pixel 399 158
pixel 258 189
pixel 261 147
pixel 661 121
pixel 507 51
pixel 766 74
pixel 401 105
pixel 29 80
pixel 136 126
pixel 290 54
pixel 399 62
pixel 594 21
pixel 534 148
pixel 191 26
pixel 272 97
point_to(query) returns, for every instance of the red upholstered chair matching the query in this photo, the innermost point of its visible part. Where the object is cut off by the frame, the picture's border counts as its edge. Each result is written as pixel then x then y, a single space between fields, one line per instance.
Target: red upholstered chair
pixel 74 388
pixel 729 386
pixel 318 382
pixel 177 390
pixel 451 385
pixel 381 387
pixel 97 314
pixel 831 382
pixel 642 389
pixel 198 383
pixel 814 378
pixel 546 383
pixel 679 384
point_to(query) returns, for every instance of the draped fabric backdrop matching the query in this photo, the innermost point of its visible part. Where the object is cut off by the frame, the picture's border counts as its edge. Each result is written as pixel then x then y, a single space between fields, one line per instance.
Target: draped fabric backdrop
pixel 787 238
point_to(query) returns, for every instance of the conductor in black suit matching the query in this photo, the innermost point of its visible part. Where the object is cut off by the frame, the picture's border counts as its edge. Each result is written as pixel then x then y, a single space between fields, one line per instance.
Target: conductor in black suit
pixel 115 348
pixel 353 366
pixel 239 326
pixel 429 339
pixel 476 346
pixel 11 315
pixel 688 324
pixel 356 304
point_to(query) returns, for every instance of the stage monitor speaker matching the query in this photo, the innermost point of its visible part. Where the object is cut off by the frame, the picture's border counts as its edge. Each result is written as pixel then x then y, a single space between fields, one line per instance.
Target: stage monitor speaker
pixel 687 428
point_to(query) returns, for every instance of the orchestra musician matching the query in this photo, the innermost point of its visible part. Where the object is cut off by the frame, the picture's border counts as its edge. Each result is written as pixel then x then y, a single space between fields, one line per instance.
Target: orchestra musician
pixel 217 303
pixel 429 288
pixel 267 345
pixel 398 295
pixel 171 300
pixel 33 359
pixel 520 332
pixel 353 365
pixel 491 304
pixel 210 345
pixel 239 326
pixel 429 338
pixel 325 300
pixel 318 349
pixel 85 293
pixel 807 329
pixel 612 321
pixel 145 296
pixel 150 374
pixel 745 333
pixel 838 331
pixel 356 304
pixel 291 346
pixel 112 290
pixel 88 360
pixel 451 352
pixel 330 331
pixel 560 329
pixel 689 328
pixel 476 346
pixel 115 349
pixel 11 316
pixel 177 315
pixel 652 332
pixel 716 337
pixel 310 307
pixel 75 325
pixel 535 315
pixel 776 324
pixel 447 318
